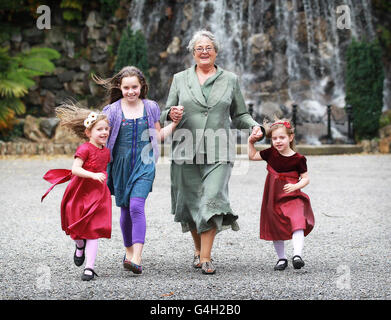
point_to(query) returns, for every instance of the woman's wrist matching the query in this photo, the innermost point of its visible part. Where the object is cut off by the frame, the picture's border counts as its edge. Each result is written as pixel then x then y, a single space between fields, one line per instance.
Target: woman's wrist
pixel 168 115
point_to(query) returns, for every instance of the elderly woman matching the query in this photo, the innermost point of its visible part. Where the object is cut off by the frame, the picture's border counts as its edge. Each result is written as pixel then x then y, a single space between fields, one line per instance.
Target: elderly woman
pixel 204 97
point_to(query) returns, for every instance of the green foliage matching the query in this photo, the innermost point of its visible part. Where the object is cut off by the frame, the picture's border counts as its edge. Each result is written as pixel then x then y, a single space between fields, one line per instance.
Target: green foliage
pixel 132 51
pixel 383 5
pixel 364 87
pixel 14 5
pixel 12 13
pixel 70 15
pixel 10 4
pixel 16 77
pixel 72 9
pixel 15 132
pixel 385 119
pixel 381 10
pixel 109 6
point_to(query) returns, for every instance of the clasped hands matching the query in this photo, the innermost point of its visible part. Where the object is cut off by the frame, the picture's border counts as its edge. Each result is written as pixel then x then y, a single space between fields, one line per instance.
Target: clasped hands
pixel 256 134
pixel 176 113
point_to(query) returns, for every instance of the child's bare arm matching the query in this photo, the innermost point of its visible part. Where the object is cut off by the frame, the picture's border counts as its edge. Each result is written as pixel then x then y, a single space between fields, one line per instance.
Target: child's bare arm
pixel 253 154
pixel 304 180
pixel 162 133
pixel 176 114
pixel 77 170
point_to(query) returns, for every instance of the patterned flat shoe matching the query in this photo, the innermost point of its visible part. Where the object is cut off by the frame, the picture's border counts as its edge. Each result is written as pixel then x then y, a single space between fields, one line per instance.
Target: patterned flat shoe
pixel 129 265
pixel 135 268
pixel 196 262
pixel 208 268
pixel 126 263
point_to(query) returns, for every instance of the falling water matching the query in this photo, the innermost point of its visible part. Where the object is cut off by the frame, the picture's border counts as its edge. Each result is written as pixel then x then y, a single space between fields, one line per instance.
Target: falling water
pixel 284 52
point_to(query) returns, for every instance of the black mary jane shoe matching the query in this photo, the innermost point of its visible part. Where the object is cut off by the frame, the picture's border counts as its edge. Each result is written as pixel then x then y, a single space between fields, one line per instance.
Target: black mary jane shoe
pixel 281 266
pixel 79 260
pixel 88 277
pixel 297 262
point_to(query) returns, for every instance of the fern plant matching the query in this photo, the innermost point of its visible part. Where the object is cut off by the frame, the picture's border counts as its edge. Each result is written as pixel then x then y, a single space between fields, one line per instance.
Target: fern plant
pixel 17 76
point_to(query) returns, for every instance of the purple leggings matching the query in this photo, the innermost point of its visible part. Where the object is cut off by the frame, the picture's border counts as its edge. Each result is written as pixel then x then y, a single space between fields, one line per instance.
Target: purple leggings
pixel 132 222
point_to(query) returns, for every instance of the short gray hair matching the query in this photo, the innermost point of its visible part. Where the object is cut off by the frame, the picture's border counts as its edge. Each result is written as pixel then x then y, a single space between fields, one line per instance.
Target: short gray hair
pixel 200 34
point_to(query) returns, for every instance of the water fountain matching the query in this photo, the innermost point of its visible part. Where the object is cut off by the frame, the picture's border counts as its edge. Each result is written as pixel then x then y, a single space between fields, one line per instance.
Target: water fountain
pixel 285 52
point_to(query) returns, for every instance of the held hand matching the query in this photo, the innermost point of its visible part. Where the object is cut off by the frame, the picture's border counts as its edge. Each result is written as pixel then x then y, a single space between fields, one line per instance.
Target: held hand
pixel 99 176
pixel 176 113
pixel 252 138
pixel 257 133
pixel 289 187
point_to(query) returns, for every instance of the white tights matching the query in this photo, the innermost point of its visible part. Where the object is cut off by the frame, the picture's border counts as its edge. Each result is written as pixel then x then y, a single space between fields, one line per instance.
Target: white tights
pixel 297 241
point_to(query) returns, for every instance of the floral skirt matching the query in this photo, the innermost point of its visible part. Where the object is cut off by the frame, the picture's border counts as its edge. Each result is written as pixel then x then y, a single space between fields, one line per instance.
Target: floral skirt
pixel 200 198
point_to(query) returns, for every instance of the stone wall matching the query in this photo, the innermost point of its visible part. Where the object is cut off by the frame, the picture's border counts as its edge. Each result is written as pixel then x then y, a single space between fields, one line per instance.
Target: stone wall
pixel 385 139
pixel 86 46
pixel 44 136
pixel 37 148
pixel 89 46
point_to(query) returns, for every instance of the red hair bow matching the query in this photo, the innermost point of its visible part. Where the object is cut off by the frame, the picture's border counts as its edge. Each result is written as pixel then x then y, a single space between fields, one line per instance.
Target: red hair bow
pixel 285 123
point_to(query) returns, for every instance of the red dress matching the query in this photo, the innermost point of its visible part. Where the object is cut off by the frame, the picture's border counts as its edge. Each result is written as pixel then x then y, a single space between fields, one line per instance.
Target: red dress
pixel 283 213
pixel 86 204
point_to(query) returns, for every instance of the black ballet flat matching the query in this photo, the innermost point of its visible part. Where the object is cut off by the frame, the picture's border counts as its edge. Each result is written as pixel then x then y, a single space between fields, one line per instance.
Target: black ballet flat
pixel 88 277
pixel 282 266
pixel 79 260
pixel 297 263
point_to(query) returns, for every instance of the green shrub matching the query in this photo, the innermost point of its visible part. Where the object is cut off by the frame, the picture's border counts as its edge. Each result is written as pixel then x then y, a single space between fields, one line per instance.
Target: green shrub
pixel 108 7
pixel 72 9
pixel 385 119
pixel 132 51
pixel 15 132
pixel 364 87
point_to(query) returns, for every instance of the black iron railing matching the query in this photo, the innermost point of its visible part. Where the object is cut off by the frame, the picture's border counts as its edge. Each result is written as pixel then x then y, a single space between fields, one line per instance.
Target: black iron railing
pixel 329 137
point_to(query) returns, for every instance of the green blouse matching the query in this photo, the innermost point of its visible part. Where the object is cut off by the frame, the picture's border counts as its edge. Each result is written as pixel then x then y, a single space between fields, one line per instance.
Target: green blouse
pixel 208 84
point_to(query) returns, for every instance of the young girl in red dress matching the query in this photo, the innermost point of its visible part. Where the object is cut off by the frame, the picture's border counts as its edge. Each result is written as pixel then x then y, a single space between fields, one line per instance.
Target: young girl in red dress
pixel 86 204
pixel 286 211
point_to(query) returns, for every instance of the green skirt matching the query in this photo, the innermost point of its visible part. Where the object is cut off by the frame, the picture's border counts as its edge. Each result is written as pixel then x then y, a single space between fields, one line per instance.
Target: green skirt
pixel 200 198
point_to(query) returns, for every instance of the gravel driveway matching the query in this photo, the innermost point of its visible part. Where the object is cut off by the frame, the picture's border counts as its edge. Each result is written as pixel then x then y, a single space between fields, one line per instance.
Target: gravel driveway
pixel 346 255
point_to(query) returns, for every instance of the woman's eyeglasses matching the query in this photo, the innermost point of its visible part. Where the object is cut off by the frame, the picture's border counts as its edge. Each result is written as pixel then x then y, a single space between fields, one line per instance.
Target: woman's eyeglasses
pixel 201 50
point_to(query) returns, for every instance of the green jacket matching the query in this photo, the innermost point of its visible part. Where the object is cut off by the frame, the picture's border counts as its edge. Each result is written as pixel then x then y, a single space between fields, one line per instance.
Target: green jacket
pixel 206 122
